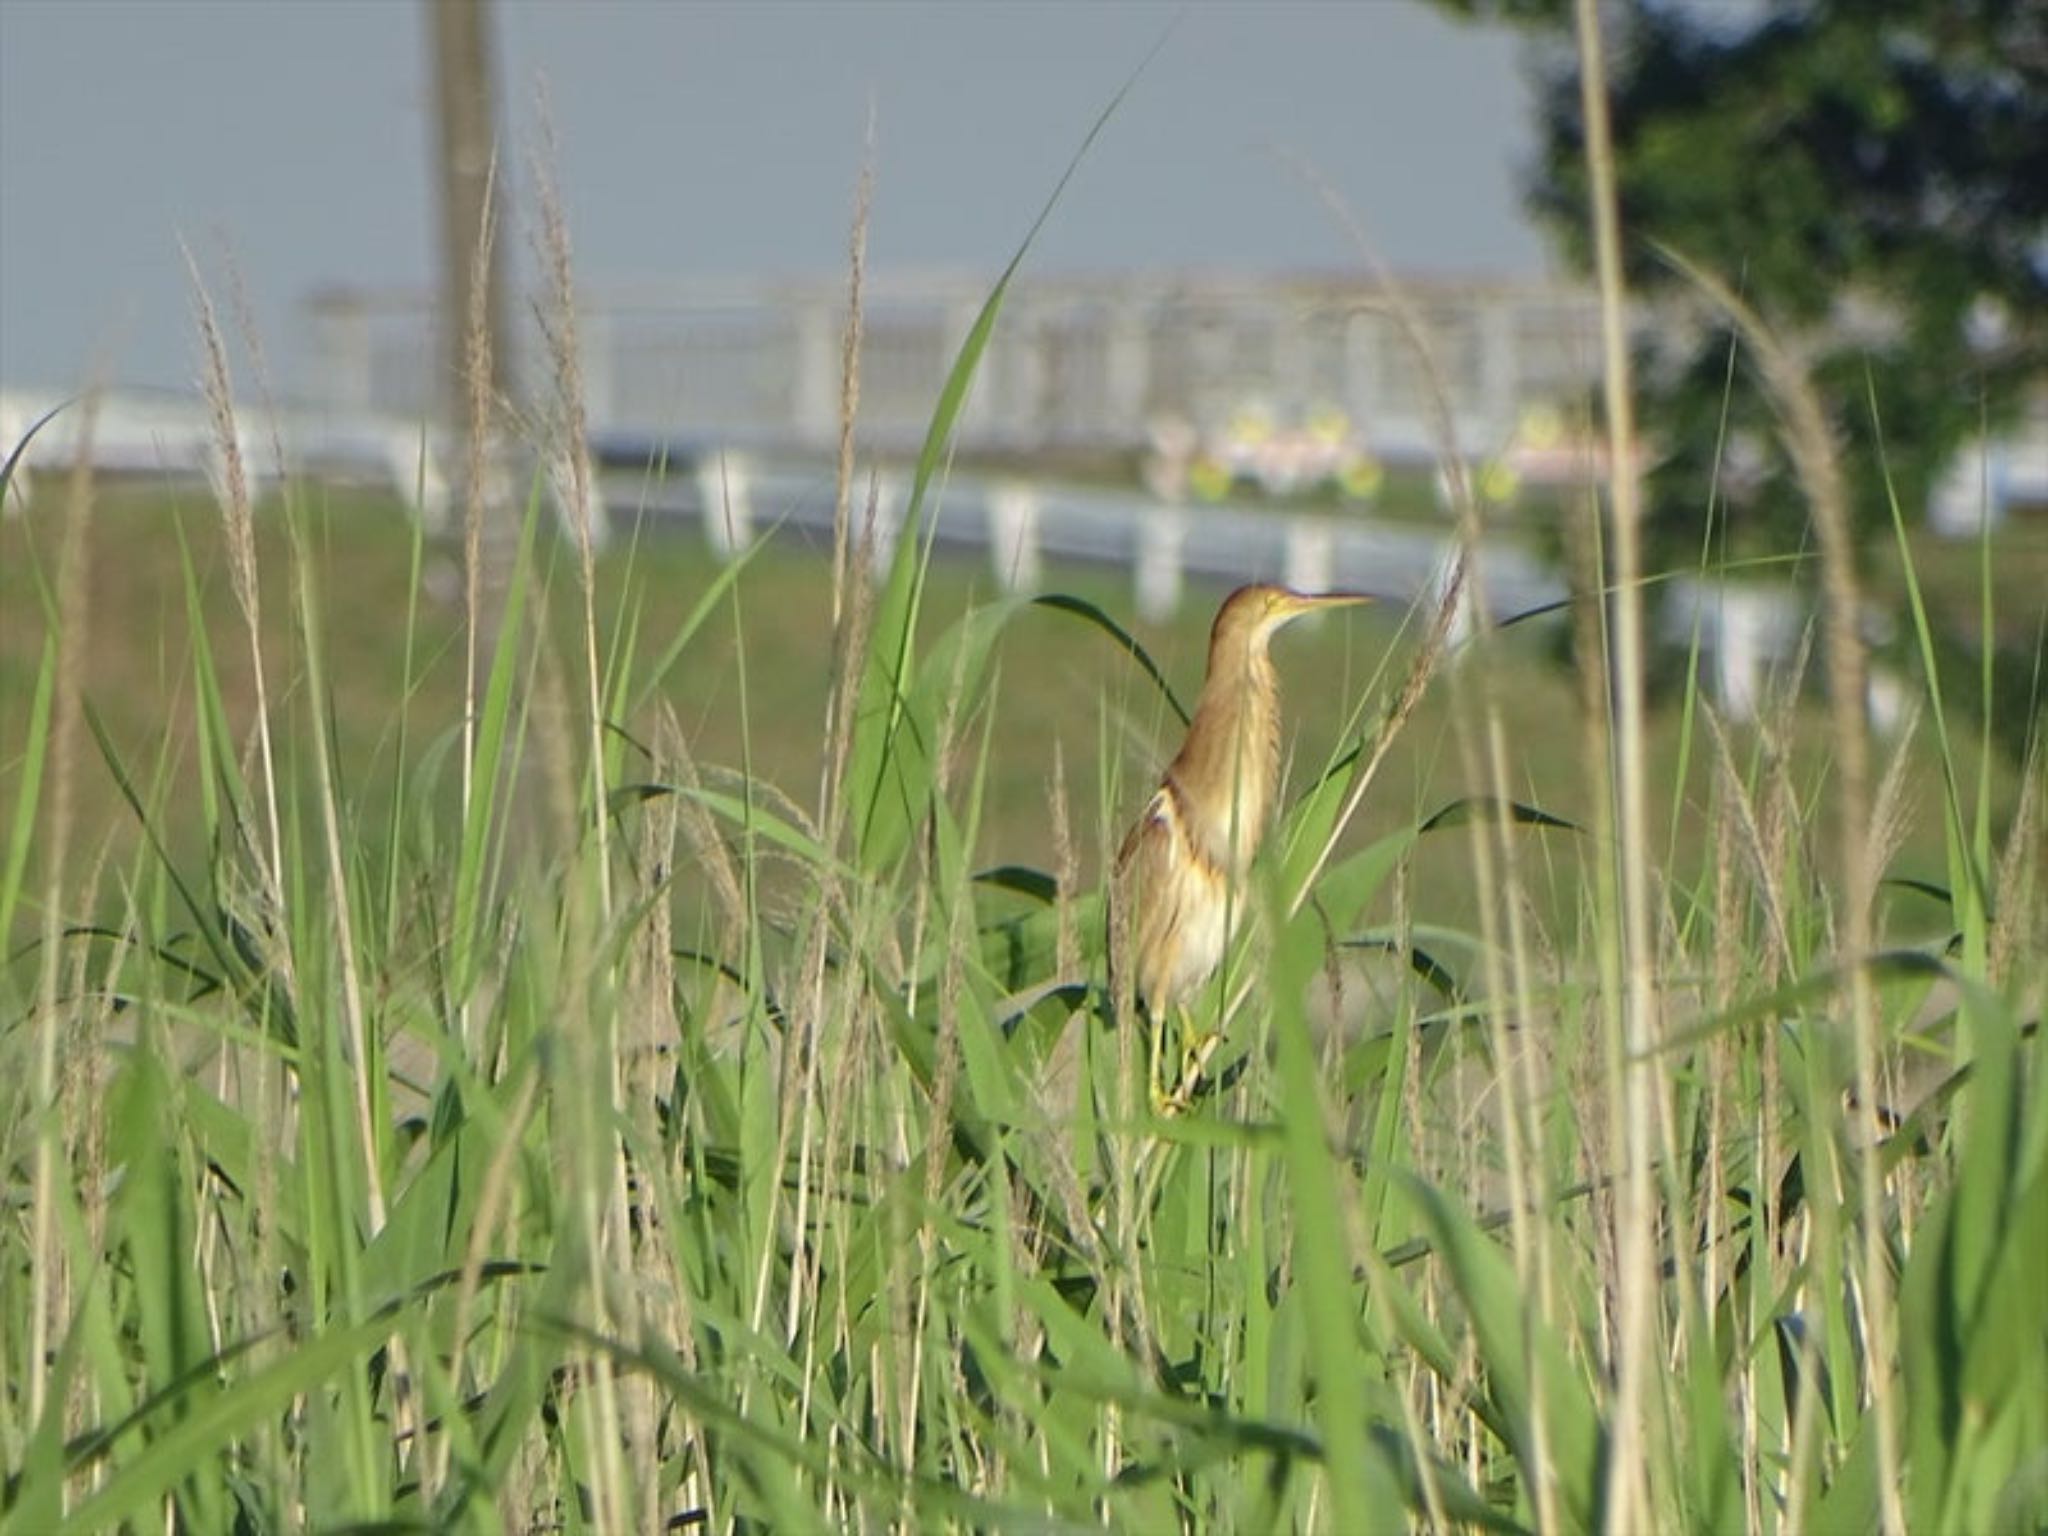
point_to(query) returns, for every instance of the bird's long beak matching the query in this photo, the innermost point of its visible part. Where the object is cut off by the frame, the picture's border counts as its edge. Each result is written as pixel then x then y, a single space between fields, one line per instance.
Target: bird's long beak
pixel 1298 603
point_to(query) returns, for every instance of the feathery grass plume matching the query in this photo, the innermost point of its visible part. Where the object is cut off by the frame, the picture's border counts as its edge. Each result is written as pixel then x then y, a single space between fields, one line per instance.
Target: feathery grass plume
pixel 568 454
pixel 2018 929
pixel 1810 443
pixel 238 519
pixel 479 485
pixel 251 337
pixel 849 368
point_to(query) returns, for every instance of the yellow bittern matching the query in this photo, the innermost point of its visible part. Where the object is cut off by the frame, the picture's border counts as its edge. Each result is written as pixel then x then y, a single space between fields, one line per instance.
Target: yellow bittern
pixel 1180 872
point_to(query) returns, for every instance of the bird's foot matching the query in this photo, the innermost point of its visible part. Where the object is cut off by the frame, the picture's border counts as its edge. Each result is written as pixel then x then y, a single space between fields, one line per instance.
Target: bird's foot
pixel 1195 1055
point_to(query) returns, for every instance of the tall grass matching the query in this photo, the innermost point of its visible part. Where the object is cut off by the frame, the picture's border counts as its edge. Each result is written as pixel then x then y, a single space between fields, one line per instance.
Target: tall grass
pixel 575 1134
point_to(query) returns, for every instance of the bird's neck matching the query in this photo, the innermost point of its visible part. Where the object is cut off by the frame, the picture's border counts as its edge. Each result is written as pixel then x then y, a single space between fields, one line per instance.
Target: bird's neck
pixel 1232 757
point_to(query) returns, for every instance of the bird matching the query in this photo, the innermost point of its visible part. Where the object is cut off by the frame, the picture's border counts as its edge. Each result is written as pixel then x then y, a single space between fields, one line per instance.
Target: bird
pixel 1177 889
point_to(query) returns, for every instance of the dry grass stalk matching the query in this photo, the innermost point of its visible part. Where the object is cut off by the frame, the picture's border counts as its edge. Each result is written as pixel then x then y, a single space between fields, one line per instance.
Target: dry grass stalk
pixel 938 1128
pixel 83 1073
pixel 49 1278
pixel 849 370
pixel 271 1096
pixel 1638 1075
pixel 849 621
pixel 589 1024
pixel 644 1049
pixel 272 935
pixel 1597 1073
pixel 479 370
pixel 1463 572
pixel 1734 801
pixel 584 1093
pixel 1494 853
pixel 1889 814
pixel 493 1229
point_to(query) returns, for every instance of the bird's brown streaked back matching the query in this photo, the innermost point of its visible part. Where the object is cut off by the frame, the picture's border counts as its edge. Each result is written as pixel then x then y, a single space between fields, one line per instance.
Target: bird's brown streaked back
pixel 1179 864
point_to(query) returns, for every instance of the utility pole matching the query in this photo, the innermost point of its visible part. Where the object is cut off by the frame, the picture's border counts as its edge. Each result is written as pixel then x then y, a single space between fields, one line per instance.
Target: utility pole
pixel 475 343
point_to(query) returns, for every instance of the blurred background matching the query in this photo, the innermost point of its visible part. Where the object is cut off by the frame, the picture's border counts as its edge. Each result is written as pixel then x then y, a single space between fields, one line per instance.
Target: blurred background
pixel 1199 376
pixel 722 142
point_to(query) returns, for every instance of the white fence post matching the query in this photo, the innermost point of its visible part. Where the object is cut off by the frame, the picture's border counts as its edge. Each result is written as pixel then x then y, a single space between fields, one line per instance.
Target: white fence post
pixel 724 486
pixel 1161 531
pixel 1013 534
pixel 1311 554
pixel 889 497
pixel 814 399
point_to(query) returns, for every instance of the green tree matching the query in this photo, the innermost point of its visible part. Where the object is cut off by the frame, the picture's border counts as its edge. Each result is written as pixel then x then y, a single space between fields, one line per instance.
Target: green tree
pixel 1872 175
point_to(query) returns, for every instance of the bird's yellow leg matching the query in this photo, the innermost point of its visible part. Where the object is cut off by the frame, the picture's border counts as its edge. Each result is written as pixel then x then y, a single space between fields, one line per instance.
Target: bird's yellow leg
pixel 1155 1067
pixel 1196 1047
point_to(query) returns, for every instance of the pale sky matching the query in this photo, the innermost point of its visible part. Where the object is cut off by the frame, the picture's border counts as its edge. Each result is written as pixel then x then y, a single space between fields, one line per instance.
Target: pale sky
pixel 724 140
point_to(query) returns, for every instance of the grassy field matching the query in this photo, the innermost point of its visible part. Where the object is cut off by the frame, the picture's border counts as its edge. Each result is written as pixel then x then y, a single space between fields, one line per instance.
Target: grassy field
pixel 638 1058
pixel 1062 698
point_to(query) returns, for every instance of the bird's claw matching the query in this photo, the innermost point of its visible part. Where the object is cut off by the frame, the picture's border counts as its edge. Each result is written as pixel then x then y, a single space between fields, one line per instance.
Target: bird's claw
pixel 1194 1063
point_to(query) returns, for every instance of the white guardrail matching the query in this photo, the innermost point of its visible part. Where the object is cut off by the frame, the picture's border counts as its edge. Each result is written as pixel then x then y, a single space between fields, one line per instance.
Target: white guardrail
pixel 1017 524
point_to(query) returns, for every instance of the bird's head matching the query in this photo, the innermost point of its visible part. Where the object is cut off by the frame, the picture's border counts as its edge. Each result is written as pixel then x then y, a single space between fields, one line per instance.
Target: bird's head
pixel 1250 615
